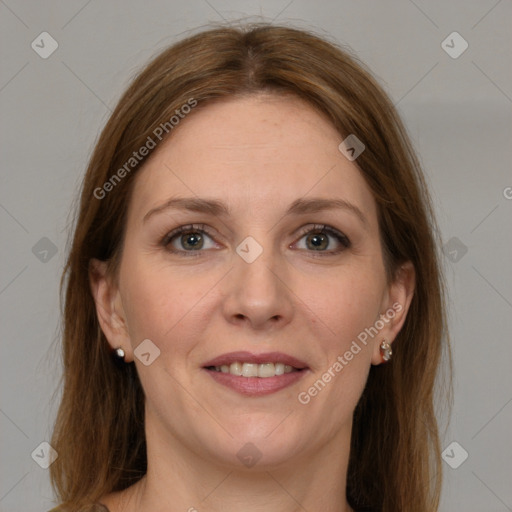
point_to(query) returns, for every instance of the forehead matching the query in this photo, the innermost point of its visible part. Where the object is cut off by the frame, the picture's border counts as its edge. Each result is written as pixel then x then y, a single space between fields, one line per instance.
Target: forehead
pixel 257 152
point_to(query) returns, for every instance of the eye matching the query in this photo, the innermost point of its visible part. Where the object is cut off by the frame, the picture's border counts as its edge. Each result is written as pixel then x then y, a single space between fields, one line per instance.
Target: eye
pixel 317 239
pixel 191 238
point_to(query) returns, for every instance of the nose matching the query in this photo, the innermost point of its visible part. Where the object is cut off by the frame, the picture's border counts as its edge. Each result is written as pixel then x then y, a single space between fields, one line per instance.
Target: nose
pixel 259 293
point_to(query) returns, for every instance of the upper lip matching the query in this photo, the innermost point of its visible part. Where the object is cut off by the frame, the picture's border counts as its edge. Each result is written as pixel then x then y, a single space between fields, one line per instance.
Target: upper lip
pixel 249 357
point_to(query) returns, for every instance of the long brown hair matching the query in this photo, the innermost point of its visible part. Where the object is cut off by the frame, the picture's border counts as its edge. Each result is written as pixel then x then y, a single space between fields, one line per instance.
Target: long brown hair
pixel 395 462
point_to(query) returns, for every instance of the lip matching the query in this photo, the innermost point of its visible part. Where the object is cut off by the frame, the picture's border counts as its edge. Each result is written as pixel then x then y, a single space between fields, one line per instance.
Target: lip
pixel 249 357
pixel 256 386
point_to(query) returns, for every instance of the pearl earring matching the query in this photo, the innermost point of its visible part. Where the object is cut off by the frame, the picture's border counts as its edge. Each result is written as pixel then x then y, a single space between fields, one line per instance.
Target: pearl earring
pixel 119 352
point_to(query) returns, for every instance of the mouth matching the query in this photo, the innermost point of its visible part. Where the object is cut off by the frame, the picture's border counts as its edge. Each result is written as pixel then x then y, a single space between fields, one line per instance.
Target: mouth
pixel 256 374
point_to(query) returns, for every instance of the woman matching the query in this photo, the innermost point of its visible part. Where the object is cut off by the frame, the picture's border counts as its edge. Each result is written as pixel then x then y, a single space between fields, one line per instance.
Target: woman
pixel 254 314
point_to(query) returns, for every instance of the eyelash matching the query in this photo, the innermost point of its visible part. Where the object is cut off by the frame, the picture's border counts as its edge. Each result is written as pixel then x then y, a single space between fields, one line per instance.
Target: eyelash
pixel 201 228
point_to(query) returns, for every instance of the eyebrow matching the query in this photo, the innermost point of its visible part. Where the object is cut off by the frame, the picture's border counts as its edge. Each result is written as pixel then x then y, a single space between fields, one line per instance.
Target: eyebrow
pixel 219 209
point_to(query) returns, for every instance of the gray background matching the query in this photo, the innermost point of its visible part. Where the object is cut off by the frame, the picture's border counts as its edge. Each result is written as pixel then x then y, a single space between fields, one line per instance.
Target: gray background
pixel 458 112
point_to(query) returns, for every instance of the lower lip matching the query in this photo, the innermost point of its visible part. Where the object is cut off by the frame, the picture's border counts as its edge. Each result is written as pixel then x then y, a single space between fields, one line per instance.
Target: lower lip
pixel 256 386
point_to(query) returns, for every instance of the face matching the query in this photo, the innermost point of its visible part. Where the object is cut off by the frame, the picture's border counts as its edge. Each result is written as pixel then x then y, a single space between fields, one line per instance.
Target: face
pixel 274 268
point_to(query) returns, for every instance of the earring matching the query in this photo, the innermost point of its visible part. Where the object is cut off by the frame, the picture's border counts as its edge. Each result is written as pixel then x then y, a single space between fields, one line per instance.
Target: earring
pixel 385 350
pixel 119 352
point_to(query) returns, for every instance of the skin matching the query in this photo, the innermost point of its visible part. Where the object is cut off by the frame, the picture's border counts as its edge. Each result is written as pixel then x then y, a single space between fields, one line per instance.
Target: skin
pixel 257 154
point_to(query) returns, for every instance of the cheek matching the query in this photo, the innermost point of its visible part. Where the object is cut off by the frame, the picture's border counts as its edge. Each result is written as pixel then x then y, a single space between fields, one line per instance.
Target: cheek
pixel 162 303
pixel 342 314
pixel 354 309
pixel 346 303
pixel 147 305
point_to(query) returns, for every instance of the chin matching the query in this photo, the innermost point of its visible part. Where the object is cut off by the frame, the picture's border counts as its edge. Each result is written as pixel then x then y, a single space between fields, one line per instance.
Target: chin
pixel 250 450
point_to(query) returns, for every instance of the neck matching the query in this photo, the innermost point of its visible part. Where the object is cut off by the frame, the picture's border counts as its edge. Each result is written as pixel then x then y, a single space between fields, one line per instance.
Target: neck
pixel 181 479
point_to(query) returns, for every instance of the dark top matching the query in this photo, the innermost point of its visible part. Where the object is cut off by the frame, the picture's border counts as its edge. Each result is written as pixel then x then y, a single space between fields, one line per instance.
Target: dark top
pixel 101 508
pixel 94 508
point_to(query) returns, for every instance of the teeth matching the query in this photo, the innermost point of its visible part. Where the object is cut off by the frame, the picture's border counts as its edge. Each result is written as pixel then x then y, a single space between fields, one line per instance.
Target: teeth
pixel 266 370
pixel 250 370
pixel 235 369
pixel 255 370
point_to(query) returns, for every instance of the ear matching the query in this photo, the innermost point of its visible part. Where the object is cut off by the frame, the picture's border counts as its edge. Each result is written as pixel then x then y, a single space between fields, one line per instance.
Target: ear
pixel 394 308
pixel 109 307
